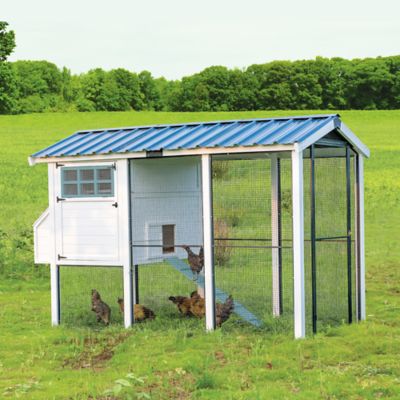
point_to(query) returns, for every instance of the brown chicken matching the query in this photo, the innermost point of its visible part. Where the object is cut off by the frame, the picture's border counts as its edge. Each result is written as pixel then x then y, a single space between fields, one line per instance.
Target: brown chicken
pixel 197 305
pixel 100 308
pixel 196 262
pixel 224 311
pixel 140 312
pixel 183 303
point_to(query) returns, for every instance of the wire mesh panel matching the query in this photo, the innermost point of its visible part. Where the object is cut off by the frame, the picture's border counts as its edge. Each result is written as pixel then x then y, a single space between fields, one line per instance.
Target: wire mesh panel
pixel 245 238
pixel 166 215
pixel 329 240
pixel 76 297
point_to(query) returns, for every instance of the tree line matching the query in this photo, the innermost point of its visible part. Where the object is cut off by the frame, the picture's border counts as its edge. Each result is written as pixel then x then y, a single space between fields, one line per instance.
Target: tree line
pixel 323 83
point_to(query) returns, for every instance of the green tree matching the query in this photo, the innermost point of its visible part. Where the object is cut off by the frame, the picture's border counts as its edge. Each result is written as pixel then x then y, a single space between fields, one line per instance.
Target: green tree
pixel 8 87
pixel 369 84
pixel 7 41
pixel 41 86
pixel 128 88
pixel 149 90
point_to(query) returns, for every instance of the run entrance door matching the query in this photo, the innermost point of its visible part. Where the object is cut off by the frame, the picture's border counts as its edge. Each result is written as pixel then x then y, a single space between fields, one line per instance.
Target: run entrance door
pixel 329 215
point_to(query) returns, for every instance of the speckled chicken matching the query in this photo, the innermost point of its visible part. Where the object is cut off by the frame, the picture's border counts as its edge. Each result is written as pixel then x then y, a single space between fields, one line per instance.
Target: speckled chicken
pixel 196 261
pixel 140 312
pixel 100 308
pixel 224 311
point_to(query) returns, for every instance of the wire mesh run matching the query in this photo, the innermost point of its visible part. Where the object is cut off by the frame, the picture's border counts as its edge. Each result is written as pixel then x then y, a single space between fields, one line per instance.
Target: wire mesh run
pixel 76 285
pixel 252 234
pixel 329 223
pixel 166 215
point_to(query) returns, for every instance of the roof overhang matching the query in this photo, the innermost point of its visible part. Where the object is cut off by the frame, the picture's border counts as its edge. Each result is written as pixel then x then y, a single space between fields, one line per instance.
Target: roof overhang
pixel 340 127
pixel 166 153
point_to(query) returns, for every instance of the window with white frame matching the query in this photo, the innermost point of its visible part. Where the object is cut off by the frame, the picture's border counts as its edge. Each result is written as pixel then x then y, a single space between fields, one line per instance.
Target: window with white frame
pixel 96 181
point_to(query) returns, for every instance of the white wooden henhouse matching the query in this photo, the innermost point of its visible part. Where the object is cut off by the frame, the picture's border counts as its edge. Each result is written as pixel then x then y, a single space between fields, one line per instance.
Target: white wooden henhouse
pixel 134 196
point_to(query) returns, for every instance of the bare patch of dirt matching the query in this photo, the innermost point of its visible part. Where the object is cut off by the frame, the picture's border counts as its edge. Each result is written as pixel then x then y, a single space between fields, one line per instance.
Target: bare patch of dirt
pixel 96 352
pixel 220 356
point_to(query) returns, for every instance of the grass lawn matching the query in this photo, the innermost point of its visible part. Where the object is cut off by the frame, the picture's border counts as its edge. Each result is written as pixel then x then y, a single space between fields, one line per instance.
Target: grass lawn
pixel 173 358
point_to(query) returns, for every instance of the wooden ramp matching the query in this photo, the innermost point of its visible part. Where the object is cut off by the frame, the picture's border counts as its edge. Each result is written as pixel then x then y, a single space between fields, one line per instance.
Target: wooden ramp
pixel 220 296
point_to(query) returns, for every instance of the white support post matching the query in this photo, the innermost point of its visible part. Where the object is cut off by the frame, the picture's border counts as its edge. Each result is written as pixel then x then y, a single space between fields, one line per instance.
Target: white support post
pixel 361 236
pixel 298 243
pixel 122 178
pixel 128 295
pixel 55 294
pixel 55 245
pixel 275 225
pixel 208 241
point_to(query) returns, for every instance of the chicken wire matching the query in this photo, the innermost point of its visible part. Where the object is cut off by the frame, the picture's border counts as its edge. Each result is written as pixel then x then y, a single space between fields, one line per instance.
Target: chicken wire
pixel 243 243
pixel 76 284
pixel 331 291
pixel 166 214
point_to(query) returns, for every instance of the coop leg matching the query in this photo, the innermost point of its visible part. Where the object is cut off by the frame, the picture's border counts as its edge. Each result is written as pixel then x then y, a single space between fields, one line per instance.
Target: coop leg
pixel 276 237
pixel 128 296
pixel 298 244
pixel 208 241
pixel 55 294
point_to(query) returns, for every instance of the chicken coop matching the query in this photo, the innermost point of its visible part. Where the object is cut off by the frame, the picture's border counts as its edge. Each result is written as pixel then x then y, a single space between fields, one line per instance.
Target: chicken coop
pixel 261 221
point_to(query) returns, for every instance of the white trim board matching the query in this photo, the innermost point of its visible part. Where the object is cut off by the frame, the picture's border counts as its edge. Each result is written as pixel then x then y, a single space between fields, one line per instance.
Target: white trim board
pixel 166 153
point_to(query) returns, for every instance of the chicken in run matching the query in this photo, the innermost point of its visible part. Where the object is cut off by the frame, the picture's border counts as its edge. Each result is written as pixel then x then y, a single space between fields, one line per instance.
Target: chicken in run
pixel 194 306
pixel 196 261
pixel 197 305
pixel 183 304
pixel 140 312
pixel 100 308
pixel 223 311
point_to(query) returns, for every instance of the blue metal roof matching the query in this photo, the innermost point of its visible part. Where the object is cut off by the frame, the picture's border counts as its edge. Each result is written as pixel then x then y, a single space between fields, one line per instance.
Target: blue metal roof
pixel 254 132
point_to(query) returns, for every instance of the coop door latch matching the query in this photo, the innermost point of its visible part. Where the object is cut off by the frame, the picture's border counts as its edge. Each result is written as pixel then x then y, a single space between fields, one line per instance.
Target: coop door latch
pixel 60 199
pixel 115 205
pixel 60 257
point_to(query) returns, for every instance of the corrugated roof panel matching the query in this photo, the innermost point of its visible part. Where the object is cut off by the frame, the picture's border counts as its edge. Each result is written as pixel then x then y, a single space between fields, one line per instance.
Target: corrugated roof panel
pixel 256 132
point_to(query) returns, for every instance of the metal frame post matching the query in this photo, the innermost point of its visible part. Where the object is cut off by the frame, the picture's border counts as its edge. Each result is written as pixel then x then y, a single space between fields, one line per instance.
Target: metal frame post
pixel 313 241
pixel 208 241
pixel 136 284
pixel 298 243
pixel 348 214
pixel 276 226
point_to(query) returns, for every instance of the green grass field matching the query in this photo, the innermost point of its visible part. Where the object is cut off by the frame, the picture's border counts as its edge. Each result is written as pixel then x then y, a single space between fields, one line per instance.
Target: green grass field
pixel 175 359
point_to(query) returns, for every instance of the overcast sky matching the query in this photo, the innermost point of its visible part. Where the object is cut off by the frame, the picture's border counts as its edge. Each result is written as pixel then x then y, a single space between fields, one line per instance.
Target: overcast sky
pixel 174 38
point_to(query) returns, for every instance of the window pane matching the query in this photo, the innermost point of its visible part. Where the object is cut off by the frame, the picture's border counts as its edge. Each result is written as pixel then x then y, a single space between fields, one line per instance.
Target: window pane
pixel 104 174
pixel 70 189
pixel 86 174
pixel 70 175
pixel 104 188
pixel 87 189
pixel 168 238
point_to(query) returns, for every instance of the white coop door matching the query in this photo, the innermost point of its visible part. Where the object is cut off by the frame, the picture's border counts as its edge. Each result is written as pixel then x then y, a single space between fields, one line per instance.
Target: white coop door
pixel 87 226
